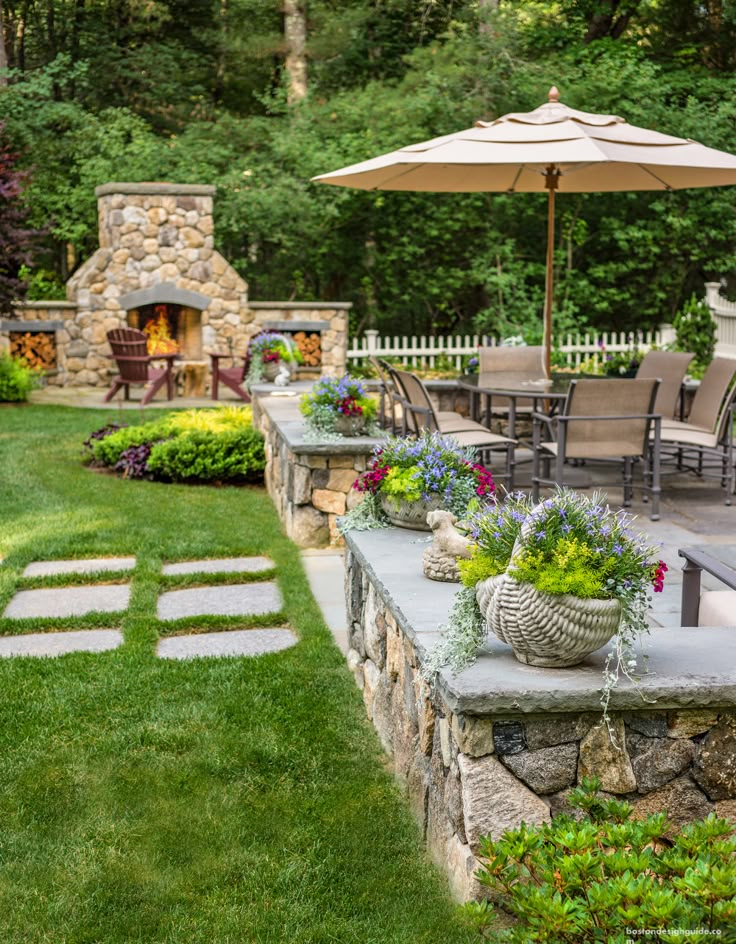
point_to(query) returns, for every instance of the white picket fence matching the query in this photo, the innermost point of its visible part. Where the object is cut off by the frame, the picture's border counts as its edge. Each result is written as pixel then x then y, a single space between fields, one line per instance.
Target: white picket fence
pixel 450 351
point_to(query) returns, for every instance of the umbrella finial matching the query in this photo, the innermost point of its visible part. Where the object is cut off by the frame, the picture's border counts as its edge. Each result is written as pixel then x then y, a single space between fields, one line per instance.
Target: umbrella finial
pixel 554 95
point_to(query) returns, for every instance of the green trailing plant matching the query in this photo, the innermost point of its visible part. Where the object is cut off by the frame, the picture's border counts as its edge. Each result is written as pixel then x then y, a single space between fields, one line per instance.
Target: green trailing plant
pixel 601 875
pixel 695 328
pixel 17 379
pixel 186 446
pixel 332 399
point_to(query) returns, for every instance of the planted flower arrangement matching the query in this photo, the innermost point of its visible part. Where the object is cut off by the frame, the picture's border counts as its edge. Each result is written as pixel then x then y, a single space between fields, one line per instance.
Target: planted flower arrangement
pixel 269 352
pixel 406 478
pixel 339 406
pixel 555 580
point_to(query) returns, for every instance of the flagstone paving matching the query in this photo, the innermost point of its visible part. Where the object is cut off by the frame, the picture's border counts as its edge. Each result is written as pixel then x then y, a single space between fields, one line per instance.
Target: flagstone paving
pixel 68 601
pixel 57 644
pixel 89 566
pixel 222 565
pixel 242 599
pixel 245 642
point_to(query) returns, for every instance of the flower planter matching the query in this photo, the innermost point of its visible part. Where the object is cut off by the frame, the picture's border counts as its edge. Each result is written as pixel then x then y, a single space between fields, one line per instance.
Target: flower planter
pixel 544 629
pixel 271 370
pixel 409 514
pixel 349 425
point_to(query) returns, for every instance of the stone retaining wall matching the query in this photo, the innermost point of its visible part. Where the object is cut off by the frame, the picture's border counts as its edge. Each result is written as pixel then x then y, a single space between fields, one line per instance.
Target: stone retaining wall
pixel 469 773
pixel 310 483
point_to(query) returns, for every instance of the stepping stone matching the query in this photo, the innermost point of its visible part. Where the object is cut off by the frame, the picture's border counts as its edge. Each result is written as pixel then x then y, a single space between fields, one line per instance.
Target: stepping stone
pixel 223 565
pixel 242 642
pixel 93 565
pixel 240 599
pixel 57 644
pixel 68 601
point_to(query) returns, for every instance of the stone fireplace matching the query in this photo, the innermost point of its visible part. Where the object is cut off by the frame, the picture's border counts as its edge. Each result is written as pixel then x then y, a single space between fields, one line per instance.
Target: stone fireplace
pixel 156 269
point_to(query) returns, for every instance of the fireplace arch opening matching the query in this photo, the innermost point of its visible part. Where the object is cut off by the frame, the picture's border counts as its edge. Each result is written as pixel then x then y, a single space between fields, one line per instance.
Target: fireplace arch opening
pixel 170 328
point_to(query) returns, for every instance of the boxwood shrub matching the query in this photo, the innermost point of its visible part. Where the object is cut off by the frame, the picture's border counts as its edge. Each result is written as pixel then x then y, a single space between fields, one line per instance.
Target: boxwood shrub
pixel 218 445
pixel 17 379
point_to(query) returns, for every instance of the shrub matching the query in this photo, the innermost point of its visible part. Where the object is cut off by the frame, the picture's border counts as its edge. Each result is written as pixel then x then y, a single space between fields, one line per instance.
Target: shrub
pixel 599 877
pixel 696 331
pixel 235 455
pixel 17 379
pixel 107 451
pixel 186 446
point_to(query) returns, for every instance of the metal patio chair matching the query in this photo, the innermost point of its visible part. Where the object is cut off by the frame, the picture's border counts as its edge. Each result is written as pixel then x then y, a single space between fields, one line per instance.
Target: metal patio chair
pixel 421 415
pixel 670 367
pixel 500 366
pixel 703 443
pixel 130 351
pixel 390 415
pixel 706 607
pixel 608 420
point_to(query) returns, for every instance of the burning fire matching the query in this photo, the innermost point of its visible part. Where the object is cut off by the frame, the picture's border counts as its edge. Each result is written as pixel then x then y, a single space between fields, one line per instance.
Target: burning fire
pixel 158 332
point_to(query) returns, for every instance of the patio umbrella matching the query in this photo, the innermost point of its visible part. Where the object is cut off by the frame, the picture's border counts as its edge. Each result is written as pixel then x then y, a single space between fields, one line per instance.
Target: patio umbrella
pixel 553 148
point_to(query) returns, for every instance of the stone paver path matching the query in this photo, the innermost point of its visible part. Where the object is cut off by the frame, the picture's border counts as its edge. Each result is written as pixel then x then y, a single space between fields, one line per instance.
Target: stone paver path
pixel 222 565
pixel 89 566
pixel 244 642
pixel 241 599
pixel 68 601
pixel 57 644
pixel 244 599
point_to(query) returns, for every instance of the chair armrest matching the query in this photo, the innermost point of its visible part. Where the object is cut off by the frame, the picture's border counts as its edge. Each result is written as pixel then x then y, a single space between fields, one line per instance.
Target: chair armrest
pixel 696 562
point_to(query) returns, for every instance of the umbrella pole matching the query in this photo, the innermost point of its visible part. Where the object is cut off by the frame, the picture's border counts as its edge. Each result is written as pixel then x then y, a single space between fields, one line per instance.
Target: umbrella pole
pixel 551 181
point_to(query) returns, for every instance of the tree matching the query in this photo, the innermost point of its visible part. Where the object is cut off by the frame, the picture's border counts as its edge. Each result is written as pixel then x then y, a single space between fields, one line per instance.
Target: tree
pixel 16 237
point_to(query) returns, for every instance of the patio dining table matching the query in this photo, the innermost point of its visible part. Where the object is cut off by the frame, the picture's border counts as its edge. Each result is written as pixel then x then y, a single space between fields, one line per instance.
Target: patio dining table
pixel 543 395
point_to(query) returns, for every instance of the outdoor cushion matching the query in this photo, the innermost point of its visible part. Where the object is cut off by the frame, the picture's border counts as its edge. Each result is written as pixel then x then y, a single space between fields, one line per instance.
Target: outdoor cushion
pixel 717 608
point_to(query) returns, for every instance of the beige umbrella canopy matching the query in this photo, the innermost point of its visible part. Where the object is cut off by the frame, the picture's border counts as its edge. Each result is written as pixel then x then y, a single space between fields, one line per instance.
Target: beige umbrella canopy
pixel 553 148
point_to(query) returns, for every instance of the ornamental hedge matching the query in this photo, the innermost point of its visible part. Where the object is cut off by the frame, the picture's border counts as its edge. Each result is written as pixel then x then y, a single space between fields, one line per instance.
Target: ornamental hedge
pixel 192 446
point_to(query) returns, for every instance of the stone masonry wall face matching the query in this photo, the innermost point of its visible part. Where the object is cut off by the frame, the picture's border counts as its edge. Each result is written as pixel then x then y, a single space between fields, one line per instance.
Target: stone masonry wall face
pixel 149 238
pixel 310 491
pixel 468 776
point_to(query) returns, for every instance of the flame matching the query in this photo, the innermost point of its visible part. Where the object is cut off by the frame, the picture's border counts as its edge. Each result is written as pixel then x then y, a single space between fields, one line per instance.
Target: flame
pixel 158 332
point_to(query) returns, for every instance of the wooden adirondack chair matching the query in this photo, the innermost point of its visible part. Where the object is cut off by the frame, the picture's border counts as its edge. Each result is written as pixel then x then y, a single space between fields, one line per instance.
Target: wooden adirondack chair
pixel 134 363
pixel 232 377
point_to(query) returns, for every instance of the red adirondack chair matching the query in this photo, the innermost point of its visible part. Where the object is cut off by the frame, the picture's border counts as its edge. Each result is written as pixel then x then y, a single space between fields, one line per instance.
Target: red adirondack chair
pixel 129 348
pixel 232 377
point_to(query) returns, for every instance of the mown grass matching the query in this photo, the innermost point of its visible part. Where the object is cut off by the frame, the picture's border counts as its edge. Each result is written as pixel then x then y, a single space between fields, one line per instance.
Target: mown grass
pixel 218 801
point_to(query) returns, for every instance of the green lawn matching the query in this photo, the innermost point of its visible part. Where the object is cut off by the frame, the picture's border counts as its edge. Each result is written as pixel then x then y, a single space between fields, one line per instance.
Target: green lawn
pixel 214 801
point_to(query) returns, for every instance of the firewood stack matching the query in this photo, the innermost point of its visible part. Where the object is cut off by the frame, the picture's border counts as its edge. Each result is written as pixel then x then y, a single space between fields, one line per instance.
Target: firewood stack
pixel 310 346
pixel 37 348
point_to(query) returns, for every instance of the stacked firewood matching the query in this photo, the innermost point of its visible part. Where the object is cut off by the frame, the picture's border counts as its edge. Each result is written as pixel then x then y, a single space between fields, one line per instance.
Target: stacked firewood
pixel 37 348
pixel 310 347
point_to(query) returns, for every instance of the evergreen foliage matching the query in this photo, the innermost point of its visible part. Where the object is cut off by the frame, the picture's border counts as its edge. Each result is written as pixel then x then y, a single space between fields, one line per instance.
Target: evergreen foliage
pixel 197 92
pixel 17 379
pixel 602 875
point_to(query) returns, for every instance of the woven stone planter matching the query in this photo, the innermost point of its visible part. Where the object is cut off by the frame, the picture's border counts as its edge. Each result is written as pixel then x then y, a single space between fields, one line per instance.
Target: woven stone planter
pixel 544 629
pixel 409 514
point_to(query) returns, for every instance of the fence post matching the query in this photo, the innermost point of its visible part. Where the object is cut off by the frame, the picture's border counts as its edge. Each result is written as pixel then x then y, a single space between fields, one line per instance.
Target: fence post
pixel 371 334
